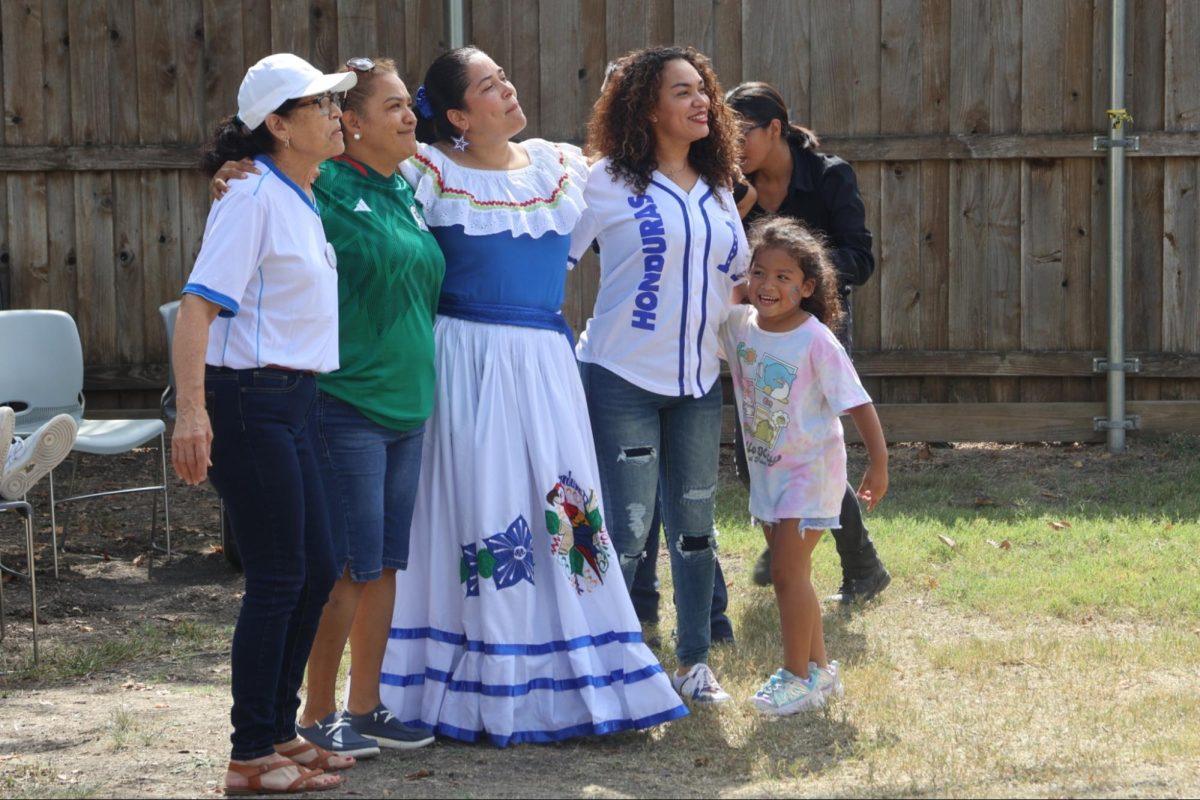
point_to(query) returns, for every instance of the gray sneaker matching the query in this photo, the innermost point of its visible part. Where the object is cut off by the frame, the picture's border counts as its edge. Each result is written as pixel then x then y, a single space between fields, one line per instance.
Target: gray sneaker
pixel 335 734
pixel 382 726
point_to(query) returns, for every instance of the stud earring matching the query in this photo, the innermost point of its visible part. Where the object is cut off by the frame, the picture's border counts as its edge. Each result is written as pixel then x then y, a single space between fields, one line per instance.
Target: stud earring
pixel 460 143
pixel 357 136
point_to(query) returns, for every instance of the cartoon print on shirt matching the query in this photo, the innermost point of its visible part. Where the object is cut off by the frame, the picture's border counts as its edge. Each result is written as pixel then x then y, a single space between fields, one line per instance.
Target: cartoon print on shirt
pixel 766 388
pixel 775 378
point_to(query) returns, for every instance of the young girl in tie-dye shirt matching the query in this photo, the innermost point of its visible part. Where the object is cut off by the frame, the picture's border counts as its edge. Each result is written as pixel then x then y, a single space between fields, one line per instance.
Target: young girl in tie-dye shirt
pixel 793 380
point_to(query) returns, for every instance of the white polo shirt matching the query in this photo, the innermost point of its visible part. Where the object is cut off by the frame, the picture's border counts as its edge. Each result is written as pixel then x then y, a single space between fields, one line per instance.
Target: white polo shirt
pixel 668 262
pixel 266 263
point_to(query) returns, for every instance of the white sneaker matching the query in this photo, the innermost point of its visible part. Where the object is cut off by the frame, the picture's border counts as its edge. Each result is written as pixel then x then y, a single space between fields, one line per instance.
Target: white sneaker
pixel 829 681
pixel 30 459
pixel 700 685
pixel 8 419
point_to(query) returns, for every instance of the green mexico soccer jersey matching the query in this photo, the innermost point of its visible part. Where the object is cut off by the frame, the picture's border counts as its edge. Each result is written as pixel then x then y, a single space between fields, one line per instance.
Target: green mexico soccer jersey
pixel 389 274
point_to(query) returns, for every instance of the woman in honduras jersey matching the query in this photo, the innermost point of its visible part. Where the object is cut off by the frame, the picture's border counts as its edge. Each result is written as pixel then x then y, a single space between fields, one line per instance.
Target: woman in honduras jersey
pixel 672 249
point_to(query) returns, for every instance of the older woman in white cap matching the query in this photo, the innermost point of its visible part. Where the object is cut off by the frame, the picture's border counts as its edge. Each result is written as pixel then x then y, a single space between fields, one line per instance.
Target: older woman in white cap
pixel 258 321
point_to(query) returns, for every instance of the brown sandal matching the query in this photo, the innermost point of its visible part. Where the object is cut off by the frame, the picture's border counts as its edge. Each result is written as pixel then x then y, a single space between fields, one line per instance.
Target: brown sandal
pixel 322 759
pixel 253 774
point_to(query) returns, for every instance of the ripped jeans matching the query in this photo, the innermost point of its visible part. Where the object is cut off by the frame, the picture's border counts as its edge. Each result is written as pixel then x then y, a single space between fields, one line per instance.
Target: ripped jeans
pixel 642 439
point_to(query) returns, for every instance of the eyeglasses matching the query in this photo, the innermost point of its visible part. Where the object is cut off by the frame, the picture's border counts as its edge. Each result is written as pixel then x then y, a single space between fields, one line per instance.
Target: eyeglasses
pixel 323 102
pixel 747 128
pixel 360 64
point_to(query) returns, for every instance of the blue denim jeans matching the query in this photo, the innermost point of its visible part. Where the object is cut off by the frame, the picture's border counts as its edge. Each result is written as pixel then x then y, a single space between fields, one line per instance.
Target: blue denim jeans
pixel 370 474
pixel 644 442
pixel 645 596
pixel 264 466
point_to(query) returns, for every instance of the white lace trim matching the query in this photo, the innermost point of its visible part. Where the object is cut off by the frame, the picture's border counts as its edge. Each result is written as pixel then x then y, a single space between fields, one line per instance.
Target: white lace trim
pixel 546 196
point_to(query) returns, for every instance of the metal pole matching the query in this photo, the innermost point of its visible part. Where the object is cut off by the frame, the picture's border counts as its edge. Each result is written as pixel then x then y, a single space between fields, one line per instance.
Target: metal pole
pixel 1116 236
pixel 455 27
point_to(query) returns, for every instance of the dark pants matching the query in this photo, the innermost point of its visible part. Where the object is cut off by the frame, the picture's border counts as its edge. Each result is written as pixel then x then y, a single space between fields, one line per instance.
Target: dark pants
pixel 854 546
pixel 265 469
pixel 645 596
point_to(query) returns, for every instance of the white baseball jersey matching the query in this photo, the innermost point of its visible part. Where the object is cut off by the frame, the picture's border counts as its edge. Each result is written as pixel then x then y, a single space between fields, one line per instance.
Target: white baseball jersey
pixel 668 262
pixel 265 261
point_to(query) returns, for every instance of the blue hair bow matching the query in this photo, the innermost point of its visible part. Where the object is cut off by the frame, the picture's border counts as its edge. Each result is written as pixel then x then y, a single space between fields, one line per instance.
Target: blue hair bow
pixel 422 103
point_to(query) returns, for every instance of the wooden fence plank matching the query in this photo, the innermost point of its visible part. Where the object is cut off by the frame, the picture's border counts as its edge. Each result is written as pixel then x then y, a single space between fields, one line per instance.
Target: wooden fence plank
pixel 1181 284
pixel 186 27
pixel 224 64
pixel 526 68
pixel 390 39
pixel 61 254
pixel 357 30
pixel 900 284
pixel 624 26
pixel 727 42
pixel 424 35
pixel 491 26
pixel 1144 283
pixel 24 67
pixel 56 77
pixel 256 35
pixel 693 24
pixel 323 32
pixel 291 28
pixel 28 251
pixel 559 82
pixel 776 49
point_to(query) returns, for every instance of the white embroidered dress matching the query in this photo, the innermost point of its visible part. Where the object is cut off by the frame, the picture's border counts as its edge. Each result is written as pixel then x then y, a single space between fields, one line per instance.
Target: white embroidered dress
pixel 512 621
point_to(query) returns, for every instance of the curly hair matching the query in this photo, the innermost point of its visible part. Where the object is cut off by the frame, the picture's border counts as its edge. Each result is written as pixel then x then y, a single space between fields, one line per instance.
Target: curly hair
pixel 620 125
pixel 810 253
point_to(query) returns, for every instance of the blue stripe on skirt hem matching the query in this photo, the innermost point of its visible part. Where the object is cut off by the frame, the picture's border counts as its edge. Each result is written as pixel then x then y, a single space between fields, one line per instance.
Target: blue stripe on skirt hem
pixel 546 737
pixel 518 690
pixel 477 646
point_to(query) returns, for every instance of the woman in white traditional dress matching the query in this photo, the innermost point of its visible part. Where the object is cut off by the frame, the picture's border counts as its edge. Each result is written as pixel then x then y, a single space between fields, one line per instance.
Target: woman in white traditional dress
pixel 513 623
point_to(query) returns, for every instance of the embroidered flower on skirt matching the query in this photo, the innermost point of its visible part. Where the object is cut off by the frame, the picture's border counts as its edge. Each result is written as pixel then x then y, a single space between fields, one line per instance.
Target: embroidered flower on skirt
pixel 513 554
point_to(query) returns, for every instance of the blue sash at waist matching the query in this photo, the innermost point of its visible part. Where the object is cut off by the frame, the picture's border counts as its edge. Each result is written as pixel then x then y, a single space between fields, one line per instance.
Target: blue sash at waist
pixel 496 314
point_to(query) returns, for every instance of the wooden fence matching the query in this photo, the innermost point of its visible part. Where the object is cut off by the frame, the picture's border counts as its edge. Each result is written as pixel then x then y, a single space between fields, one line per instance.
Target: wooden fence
pixel 970 123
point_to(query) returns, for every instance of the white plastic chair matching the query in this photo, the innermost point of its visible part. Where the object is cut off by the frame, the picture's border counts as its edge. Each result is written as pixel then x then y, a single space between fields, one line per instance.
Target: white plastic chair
pixel 41 375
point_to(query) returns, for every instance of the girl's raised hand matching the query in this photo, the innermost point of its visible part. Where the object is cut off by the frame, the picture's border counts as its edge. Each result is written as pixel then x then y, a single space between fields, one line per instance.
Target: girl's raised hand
pixel 230 171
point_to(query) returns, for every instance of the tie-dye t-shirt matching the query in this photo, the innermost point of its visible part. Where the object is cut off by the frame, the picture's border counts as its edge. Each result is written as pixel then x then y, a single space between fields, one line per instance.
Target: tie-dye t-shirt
pixel 791 388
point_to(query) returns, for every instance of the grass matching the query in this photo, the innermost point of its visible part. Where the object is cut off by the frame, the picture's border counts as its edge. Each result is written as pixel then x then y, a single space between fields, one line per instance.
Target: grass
pixel 145 646
pixel 1051 649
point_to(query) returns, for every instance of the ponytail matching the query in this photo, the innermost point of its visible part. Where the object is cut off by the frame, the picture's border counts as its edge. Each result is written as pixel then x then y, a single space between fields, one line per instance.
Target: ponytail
pixel 233 141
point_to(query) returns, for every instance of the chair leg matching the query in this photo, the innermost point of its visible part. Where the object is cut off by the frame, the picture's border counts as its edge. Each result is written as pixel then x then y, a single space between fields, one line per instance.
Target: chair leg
pixel 53 525
pixel 162 449
pixel 32 581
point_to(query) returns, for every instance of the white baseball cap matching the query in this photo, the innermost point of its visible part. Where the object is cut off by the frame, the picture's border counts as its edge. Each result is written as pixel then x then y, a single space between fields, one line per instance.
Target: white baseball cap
pixel 281 77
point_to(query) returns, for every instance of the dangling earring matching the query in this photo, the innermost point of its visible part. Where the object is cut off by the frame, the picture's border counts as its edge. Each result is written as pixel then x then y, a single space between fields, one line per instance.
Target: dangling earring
pixel 357 136
pixel 287 143
pixel 460 143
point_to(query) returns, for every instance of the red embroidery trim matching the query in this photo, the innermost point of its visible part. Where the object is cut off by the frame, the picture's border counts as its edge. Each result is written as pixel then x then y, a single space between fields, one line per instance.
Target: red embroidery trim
pixel 444 189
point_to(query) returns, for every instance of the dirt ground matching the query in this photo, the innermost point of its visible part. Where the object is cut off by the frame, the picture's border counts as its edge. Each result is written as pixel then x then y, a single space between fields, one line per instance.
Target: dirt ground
pixel 157 724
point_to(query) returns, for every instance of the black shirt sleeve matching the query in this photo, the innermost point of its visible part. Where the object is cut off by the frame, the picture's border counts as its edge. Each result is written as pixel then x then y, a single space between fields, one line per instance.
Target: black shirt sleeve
pixel 849 239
